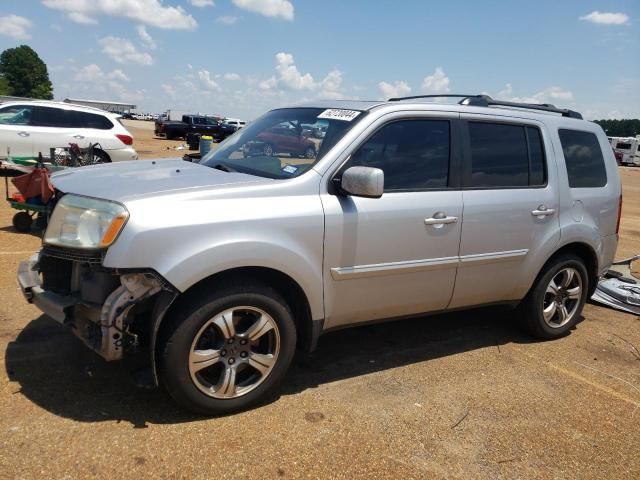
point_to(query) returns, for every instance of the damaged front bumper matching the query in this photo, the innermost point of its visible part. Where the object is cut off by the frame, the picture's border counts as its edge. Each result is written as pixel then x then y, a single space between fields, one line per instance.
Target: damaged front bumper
pixel 94 302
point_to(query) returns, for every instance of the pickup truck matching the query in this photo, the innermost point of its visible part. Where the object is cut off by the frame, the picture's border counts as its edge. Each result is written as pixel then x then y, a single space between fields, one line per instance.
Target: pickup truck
pixel 193 124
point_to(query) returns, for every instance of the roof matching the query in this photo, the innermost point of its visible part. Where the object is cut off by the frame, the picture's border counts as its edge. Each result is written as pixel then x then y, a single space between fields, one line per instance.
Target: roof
pixel 463 103
pixel 98 102
pixel 48 103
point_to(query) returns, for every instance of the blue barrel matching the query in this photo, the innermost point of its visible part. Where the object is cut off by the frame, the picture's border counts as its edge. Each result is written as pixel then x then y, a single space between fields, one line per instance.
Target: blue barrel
pixel 205 145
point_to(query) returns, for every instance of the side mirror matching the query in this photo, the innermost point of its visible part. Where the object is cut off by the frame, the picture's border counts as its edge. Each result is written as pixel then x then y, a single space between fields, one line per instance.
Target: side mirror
pixel 363 182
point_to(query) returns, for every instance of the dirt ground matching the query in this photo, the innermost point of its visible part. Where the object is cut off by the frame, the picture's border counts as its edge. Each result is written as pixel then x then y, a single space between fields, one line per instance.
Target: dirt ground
pixel 462 395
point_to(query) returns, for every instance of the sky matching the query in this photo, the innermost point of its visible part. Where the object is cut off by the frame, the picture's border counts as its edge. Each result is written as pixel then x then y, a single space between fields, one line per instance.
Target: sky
pixel 240 58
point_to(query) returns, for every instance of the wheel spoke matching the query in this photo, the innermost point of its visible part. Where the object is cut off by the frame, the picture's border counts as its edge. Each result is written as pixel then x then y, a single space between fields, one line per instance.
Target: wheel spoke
pixel 574 293
pixel 568 277
pixel 261 326
pixel 549 312
pixel 225 324
pixel 261 362
pixel 200 359
pixel 563 314
pixel 226 385
pixel 552 288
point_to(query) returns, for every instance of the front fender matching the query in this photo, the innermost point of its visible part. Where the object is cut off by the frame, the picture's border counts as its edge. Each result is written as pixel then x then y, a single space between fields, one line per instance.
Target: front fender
pixel 185 272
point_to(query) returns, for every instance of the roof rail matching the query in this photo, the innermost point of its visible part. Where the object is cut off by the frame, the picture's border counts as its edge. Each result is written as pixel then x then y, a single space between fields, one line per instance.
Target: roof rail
pixel 487 101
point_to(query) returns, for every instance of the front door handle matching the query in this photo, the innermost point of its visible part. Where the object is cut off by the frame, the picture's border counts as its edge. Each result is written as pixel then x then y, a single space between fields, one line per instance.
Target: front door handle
pixel 78 137
pixel 440 219
pixel 23 134
pixel 543 211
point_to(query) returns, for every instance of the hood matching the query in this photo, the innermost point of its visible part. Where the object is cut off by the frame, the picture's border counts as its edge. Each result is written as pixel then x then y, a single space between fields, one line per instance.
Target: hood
pixel 139 178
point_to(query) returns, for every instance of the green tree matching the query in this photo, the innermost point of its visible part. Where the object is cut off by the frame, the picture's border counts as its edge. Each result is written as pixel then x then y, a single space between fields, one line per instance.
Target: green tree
pixel 25 73
pixel 5 89
pixel 620 128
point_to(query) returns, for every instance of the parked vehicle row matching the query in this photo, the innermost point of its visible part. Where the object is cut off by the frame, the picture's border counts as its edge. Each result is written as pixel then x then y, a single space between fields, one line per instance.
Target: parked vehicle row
pixel 406 207
pixel 190 124
pixel 32 127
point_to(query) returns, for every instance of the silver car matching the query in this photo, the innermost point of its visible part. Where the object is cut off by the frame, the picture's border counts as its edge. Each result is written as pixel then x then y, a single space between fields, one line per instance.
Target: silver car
pixel 223 269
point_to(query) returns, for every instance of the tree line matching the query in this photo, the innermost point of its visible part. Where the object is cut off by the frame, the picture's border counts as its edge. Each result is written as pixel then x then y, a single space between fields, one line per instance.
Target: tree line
pixel 620 128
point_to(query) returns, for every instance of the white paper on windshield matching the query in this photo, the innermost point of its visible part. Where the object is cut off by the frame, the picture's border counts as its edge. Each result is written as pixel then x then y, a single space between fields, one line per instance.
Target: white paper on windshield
pixel 339 114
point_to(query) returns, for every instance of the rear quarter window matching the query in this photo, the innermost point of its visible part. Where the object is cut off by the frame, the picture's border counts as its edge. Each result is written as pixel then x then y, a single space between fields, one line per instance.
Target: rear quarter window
pixel 583 158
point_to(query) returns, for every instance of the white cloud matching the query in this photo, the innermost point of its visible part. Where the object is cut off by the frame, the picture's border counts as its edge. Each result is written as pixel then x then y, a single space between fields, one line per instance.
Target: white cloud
pixel 149 12
pixel 118 74
pixel 201 3
pixel 268 84
pixel 227 19
pixel 289 78
pixel 606 18
pixel 330 85
pixel 81 18
pixel 89 73
pixel 231 76
pixel 121 50
pixel 146 39
pixel 289 75
pixel 94 81
pixel 93 73
pixel 207 82
pixel 436 83
pixel 170 90
pixel 269 8
pixel 548 95
pixel 15 26
pixel 399 88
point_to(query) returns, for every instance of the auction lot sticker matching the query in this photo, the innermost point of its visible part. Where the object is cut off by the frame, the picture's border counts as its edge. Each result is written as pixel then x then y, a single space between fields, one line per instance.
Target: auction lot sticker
pixel 339 114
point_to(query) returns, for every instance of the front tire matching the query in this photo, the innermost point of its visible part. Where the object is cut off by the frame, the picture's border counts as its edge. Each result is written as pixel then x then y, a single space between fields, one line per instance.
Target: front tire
pixel 226 351
pixel 22 222
pixel 554 303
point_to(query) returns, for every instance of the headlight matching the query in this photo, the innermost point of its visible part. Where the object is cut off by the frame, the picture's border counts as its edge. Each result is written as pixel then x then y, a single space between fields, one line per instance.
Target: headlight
pixel 83 222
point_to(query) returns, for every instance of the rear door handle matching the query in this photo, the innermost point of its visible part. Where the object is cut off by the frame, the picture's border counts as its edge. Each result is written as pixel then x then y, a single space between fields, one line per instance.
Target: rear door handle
pixel 23 134
pixel 78 137
pixel 543 211
pixel 436 220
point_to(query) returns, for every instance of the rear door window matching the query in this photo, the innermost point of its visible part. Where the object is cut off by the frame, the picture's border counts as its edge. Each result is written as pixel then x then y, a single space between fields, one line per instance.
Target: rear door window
pixel 505 156
pixel 53 117
pixel 584 159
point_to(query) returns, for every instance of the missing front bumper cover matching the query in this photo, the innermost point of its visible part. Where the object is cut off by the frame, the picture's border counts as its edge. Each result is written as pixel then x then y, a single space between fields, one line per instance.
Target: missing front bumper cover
pixel 100 327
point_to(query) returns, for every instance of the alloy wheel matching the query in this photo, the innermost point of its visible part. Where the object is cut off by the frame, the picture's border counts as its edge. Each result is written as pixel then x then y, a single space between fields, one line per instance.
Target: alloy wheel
pixel 562 297
pixel 234 352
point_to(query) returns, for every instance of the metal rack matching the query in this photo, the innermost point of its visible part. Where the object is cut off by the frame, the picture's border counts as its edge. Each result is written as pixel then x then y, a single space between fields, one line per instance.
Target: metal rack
pixel 487 101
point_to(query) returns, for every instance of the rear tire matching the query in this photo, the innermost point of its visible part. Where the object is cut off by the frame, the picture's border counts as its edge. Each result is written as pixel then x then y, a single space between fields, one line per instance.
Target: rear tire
pixel 99 156
pixel 213 369
pixel 554 303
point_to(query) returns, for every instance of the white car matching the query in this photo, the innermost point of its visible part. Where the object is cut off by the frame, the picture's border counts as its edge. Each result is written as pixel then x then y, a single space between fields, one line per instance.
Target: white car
pixel 234 122
pixel 30 127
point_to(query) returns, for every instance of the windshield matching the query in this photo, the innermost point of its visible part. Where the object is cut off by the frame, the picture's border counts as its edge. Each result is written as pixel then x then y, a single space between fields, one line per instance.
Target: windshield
pixel 283 143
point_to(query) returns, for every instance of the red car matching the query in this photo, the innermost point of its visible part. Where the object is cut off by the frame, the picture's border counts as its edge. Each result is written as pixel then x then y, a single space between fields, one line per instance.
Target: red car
pixel 281 139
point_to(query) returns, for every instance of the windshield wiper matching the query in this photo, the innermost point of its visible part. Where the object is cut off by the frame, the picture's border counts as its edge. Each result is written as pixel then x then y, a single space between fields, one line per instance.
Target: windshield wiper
pixel 224 168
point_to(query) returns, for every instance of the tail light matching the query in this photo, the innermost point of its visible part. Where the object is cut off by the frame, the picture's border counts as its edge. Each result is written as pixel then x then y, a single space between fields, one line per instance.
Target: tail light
pixel 619 214
pixel 126 139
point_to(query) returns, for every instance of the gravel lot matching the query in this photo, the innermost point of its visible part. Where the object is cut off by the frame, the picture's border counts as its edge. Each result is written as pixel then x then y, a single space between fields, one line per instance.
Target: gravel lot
pixel 463 395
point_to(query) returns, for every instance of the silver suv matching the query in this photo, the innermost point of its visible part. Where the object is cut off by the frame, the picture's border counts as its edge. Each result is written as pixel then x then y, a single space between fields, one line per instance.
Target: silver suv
pixel 223 269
